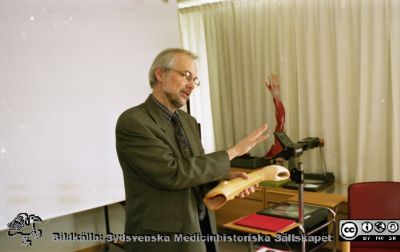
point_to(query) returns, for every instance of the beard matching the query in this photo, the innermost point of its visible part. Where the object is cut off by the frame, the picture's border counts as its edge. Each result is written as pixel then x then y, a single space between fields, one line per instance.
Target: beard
pixel 175 99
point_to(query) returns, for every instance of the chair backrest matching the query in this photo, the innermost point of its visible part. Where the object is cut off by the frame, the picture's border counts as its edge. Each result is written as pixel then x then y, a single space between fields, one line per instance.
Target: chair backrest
pixel 374 200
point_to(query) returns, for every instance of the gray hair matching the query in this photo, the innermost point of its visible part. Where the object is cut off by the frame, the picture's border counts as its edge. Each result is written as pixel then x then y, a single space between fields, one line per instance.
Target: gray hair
pixel 166 60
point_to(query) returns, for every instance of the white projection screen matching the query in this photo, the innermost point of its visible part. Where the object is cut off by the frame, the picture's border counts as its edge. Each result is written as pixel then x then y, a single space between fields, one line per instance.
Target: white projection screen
pixel 68 68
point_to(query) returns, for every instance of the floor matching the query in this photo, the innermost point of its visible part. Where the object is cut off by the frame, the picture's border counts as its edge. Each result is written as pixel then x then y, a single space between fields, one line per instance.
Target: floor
pixel 233 247
pixel 224 247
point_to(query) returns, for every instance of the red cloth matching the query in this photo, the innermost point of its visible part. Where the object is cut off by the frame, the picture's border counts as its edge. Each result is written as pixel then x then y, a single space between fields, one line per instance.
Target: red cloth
pixel 265 222
pixel 374 200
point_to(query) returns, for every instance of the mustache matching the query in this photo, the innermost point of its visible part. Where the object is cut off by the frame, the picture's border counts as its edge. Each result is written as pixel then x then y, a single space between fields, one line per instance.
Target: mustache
pixel 188 92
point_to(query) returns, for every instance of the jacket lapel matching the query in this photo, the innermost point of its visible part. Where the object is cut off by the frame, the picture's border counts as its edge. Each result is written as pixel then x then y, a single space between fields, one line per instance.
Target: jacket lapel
pixel 192 134
pixel 189 130
pixel 159 119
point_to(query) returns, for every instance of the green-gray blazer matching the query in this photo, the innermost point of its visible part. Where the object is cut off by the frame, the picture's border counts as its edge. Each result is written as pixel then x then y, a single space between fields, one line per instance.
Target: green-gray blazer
pixel 161 186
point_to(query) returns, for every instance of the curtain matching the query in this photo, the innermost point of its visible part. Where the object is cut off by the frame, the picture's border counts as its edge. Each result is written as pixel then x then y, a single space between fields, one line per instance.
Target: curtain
pixel 338 62
pixel 193 39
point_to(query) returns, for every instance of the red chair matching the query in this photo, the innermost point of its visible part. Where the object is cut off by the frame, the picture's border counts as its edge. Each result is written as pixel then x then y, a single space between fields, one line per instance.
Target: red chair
pixel 374 200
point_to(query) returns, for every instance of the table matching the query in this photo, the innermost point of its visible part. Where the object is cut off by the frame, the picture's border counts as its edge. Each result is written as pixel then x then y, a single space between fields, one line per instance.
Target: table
pixel 333 197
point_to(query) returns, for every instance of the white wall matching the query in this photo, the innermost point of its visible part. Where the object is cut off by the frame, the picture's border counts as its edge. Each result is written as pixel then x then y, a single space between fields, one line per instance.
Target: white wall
pixel 68 68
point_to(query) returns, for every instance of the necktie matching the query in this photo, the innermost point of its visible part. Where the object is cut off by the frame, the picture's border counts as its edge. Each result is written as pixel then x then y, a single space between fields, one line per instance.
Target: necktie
pixel 186 152
pixel 180 137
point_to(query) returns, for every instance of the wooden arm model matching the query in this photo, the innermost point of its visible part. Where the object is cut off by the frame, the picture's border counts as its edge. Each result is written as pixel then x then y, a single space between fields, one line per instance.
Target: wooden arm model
pixel 227 190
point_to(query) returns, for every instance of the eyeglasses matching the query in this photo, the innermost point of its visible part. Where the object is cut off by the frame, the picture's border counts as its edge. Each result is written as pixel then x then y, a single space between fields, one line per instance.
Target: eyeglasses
pixel 188 77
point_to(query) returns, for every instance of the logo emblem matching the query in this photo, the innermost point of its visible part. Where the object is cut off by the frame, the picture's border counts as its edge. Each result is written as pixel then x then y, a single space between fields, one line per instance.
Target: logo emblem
pixel 367 227
pixel 379 226
pixel 349 230
pixel 392 227
pixel 25 225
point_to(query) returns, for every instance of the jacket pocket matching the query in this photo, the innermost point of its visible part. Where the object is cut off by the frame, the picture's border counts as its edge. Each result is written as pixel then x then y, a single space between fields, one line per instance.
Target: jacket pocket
pixel 162 225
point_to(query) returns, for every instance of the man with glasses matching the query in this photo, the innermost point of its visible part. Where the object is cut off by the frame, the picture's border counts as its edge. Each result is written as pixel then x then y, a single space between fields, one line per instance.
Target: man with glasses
pixel 166 172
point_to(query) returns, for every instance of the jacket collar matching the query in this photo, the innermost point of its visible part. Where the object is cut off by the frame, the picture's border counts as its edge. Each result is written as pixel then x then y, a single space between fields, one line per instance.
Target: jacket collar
pixel 165 126
pixel 156 115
